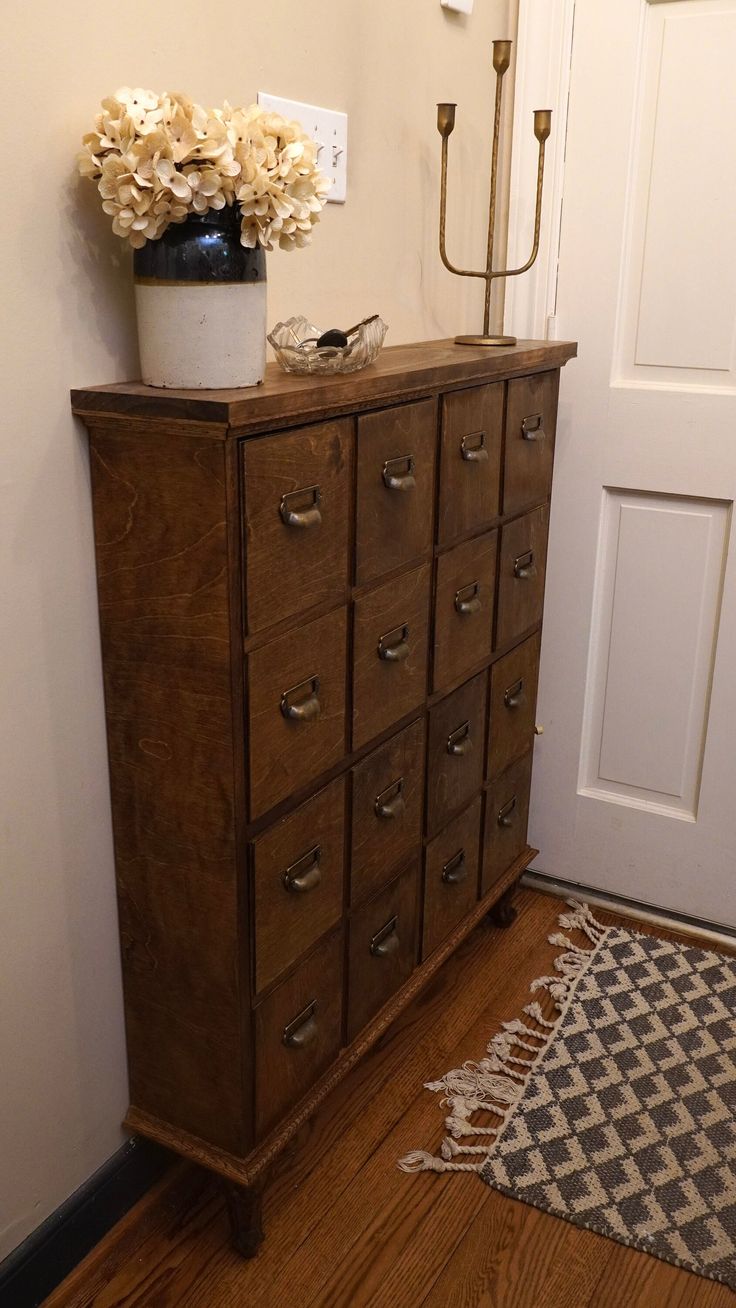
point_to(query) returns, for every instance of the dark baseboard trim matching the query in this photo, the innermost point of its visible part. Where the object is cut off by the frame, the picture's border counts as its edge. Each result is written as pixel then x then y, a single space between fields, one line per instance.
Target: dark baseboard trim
pixel 53 1250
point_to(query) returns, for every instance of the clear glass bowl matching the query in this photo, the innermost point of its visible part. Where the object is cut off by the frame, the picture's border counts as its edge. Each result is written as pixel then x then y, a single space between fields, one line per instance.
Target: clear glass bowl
pixel 361 349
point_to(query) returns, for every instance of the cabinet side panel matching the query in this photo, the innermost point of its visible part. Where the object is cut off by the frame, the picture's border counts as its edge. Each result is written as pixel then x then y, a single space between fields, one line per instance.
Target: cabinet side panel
pixel 162 567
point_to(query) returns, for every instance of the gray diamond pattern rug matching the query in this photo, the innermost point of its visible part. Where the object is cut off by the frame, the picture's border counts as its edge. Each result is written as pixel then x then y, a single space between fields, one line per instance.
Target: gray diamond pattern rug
pixel 612 1104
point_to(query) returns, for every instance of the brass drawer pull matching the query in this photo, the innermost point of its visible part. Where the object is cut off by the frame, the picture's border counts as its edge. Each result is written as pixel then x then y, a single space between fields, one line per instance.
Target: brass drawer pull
pixel 477 452
pixel 391 803
pixel 532 429
pixel 467 599
pixel 386 941
pixel 394 478
pixel 302 1031
pixel 524 566
pixel 305 874
pixel 301 703
pixel 505 817
pixel 455 870
pixel 514 696
pixel 293 517
pixel 459 742
pixel 394 646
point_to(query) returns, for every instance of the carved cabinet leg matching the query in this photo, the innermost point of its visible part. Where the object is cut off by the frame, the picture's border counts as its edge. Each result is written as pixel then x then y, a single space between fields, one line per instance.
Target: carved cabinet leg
pixel 244 1210
pixel 503 913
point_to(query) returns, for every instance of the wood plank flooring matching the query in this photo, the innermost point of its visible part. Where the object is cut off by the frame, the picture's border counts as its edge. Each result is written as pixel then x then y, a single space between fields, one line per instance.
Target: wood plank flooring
pixel 346 1229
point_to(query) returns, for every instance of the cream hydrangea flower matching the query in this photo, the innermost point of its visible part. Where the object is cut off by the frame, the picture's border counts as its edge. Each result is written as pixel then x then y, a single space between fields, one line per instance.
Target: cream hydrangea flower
pixel 140 107
pixel 157 158
pixel 206 189
pixel 283 190
pixel 133 100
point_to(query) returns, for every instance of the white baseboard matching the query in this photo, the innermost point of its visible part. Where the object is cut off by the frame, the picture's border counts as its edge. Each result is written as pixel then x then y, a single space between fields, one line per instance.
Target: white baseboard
pixel 691 926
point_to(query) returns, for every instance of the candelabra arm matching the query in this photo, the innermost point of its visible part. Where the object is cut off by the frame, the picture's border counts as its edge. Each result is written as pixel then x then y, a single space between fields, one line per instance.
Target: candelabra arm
pixel 492 202
pixel 460 272
pixel 514 272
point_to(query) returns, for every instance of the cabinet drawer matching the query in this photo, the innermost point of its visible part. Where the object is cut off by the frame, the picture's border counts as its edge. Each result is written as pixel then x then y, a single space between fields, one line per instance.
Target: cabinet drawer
pixel 298 494
pixel 531 419
pixel 523 559
pixel 298 871
pixel 464 605
pixel 451 876
pixel 388 790
pixel 390 647
pixel 395 508
pixel 383 948
pixel 457 731
pixel 470 460
pixel 507 816
pixel 513 705
pixel 296 693
pixel 298 1031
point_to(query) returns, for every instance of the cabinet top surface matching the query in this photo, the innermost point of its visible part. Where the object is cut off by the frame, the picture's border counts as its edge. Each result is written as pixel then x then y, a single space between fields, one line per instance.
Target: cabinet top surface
pixel 400 371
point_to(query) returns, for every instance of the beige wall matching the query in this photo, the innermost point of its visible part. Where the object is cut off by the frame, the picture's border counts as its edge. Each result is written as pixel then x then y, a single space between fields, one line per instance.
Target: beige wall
pixel 69 321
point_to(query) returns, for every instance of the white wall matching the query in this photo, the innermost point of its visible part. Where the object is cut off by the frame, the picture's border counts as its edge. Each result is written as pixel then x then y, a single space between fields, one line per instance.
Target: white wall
pixel 68 307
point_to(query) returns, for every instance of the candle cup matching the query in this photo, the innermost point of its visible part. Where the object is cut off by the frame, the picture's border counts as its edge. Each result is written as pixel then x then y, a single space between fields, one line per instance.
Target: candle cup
pixel 501 56
pixel 445 119
pixel 542 123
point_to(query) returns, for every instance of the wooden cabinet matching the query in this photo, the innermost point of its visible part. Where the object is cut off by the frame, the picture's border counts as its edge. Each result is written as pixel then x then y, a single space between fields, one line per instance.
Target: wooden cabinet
pixel 390 650
pixel 531 420
pixel 507 814
pixel 513 702
pixel 298 881
pixel 395 488
pixel 320 605
pixel 296 709
pixel 382 949
pixel 296 513
pixel 521 572
pixel 298 1030
pixel 451 876
pixel 464 607
pixel 470 462
pixel 387 809
pixel 455 749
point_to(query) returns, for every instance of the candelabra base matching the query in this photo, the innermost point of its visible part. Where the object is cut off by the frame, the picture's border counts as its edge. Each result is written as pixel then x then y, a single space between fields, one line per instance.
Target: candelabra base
pixel 485 340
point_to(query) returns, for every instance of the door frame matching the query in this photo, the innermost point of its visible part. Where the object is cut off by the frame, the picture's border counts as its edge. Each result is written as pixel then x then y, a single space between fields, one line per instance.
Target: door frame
pixel 543 61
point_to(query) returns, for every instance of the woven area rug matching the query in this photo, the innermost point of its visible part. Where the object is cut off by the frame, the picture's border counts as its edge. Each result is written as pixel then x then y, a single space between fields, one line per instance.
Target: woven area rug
pixel 612 1104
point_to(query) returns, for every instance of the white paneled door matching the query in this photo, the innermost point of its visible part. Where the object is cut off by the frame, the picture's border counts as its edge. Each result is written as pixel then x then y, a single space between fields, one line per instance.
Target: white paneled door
pixel 635 775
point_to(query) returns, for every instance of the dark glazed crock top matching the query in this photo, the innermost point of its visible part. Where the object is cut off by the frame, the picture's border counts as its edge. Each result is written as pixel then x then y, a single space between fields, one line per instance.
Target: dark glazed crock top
pixel 204 248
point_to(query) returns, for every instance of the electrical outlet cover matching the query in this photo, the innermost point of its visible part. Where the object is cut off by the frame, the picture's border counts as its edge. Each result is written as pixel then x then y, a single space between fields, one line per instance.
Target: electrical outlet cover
pixel 459 6
pixel 329 128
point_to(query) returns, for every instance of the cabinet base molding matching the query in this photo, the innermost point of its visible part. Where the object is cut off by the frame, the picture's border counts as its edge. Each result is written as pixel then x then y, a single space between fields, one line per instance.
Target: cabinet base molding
pixel 249 1174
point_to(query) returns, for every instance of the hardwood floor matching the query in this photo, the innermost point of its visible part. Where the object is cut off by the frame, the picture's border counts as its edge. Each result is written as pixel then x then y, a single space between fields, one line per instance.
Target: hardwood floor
pixel 345 1228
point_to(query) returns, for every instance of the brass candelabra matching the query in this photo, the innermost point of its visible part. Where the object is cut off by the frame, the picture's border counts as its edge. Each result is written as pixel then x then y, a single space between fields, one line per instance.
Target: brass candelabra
pixel 445 126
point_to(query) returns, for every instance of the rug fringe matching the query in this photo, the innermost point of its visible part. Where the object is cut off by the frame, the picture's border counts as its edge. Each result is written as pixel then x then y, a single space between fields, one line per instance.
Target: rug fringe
pixel 494 1084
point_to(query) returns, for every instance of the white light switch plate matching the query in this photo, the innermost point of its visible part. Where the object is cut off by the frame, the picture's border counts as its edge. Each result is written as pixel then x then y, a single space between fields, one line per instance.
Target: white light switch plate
pixel 459 6
pixel 328 127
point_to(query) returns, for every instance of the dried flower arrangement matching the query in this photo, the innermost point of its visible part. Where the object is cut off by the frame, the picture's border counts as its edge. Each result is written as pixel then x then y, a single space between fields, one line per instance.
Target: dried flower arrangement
pixel 158 158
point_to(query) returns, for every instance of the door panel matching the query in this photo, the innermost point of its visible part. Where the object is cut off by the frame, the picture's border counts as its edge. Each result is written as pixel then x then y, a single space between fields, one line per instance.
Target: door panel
pixel 635 773
pixel 653 638
pixel 677 321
